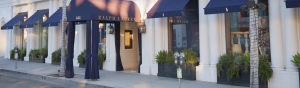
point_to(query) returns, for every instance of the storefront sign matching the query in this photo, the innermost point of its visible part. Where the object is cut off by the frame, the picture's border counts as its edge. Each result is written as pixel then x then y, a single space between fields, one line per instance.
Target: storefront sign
pixel 114 18
pixel 179 21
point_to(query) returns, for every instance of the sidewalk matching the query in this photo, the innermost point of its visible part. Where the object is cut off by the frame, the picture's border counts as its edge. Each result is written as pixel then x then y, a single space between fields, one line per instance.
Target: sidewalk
pixel 107 78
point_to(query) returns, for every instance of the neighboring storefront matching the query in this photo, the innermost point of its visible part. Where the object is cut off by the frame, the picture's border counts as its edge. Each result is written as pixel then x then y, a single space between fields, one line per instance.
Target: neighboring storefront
pixel 181 25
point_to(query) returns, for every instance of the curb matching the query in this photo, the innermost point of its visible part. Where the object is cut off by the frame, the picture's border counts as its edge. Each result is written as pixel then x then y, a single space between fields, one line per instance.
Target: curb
pixel 55 78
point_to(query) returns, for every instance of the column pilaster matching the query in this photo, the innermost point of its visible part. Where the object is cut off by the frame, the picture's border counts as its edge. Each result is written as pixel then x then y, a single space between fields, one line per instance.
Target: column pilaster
pixel 276 38
pixel 291 41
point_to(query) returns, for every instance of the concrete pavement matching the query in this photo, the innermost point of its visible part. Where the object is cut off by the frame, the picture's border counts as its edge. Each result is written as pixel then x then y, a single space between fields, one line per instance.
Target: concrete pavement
pixel 107 78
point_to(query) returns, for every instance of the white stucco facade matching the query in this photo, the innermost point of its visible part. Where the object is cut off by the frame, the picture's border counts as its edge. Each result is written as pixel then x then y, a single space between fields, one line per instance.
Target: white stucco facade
pixel 284 39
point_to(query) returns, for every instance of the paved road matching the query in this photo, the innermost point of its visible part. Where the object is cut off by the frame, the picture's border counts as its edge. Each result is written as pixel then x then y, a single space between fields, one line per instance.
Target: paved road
pixel 15 80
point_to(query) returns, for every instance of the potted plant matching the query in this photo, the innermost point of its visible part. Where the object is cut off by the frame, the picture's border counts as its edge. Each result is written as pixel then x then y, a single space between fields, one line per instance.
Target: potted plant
pixel 233 69
pixel 22 54
pixel 167 67
pixel 296 61
pixel 81 59
pixel 189 68
pixel 33 55
pixel 43 53
pixel 101 58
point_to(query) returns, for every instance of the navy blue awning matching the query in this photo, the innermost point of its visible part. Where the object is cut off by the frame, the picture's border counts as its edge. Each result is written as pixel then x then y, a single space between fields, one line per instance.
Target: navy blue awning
pixel 292 3
pixel 54 19
pixel 34 18
pixel 224 6
pixel 104 10
pixel 167 8
pixel 13 21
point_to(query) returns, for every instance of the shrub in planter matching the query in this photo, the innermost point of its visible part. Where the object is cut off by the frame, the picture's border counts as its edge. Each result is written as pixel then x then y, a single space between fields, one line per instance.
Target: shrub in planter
pixel 167 67
pixel 12 54
pixel 81 59
pixel 236 69
pixel 56 56
pixel 22 54
pixel 35 55
pixel 101 58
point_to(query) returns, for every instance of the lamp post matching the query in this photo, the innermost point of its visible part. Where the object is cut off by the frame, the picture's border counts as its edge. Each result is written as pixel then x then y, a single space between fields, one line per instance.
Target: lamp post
pixel 252 6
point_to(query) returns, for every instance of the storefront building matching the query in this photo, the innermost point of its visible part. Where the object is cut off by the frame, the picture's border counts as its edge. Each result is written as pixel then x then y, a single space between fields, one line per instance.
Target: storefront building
pixel 210 35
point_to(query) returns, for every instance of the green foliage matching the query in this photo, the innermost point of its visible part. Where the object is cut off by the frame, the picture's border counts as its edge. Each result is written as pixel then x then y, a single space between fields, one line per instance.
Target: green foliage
pixel 170 57
pixel 22 51
pixel 165 56
pixel 247 62
pixel 296 60
pixel 34 53
pixel 265 71
pixel 190 56
pixel 234 60
pixel 43 52
pixel 12 53
pixel 161 56
pixel 101 56
pixel 224 60
pixel 232 70
pixel 238 60
pixel 55 55
pixel 81 57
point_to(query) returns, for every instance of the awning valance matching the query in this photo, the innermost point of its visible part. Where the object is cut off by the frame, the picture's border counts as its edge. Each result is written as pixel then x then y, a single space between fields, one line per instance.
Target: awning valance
pixel 54 19
pixel 104 10
pixel 292 3
pixel 167 8
pixel 34 18
pixel 13 21
pixel 224 6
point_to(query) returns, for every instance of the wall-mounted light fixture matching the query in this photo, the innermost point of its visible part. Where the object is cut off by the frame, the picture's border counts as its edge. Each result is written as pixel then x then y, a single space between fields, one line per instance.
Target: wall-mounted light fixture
pixel 111 29
pixel 142 27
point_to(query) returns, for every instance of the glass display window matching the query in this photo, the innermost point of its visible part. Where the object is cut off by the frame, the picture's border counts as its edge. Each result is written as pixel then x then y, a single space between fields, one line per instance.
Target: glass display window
pixel 238 31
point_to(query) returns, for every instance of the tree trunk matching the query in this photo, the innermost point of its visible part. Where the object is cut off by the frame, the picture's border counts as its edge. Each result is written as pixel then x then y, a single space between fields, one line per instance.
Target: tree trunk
pixel 63 58
pixel 254 48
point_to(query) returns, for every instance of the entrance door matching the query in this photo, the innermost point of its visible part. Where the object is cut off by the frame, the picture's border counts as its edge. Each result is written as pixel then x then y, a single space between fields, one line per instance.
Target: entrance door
pixel 129 48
